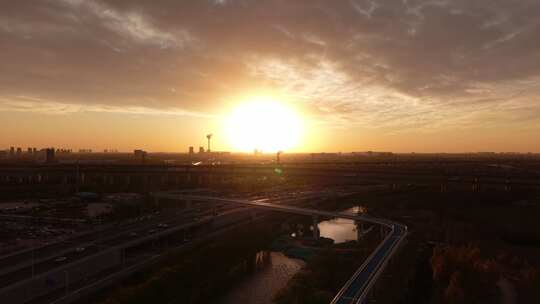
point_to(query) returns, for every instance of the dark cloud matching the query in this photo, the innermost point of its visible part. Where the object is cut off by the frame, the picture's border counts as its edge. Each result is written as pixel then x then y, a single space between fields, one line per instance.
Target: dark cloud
pixel 423 61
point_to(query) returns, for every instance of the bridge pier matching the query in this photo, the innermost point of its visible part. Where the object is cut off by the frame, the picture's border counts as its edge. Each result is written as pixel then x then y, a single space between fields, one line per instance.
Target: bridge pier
pixel 316 231
pixel 444 187
pixel 476 185
pixel 359 230
pixel 507 185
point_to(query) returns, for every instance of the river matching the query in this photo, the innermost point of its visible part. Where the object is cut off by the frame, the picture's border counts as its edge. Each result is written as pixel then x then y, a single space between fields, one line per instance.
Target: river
pixel 273 269
pixel 272 274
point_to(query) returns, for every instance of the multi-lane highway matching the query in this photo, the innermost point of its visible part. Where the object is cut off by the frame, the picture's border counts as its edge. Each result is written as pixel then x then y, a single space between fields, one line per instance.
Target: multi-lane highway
pixel 114 243
pixel 25 267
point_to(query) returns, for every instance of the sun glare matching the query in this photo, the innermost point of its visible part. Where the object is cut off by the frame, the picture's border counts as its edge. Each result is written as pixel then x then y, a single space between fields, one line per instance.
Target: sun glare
pixel 263 124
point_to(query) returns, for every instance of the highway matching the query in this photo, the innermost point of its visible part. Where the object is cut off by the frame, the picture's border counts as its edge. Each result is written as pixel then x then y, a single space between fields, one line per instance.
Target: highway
pixel 123 239
pixel 359 285
pixel 22 265
pixel 488 172
pixel 18 265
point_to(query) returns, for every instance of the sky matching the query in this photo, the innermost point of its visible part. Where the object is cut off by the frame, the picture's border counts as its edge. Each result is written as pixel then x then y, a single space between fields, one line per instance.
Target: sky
pixel 396 75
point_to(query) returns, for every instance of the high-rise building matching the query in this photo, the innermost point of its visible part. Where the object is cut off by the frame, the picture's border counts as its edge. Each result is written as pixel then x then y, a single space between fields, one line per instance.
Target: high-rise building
pixel 191 150
pixel 19 152
pixel 29 151
pixel 50 156
pixel 11 152
pixel 201 149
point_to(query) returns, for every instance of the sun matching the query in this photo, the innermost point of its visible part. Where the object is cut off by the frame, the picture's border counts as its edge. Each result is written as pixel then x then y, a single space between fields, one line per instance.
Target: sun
pixel 264 124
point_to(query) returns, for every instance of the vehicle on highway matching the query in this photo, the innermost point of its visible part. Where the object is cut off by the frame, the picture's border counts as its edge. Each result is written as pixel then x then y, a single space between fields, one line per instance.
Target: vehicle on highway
pixel 151 231
pixel 133 234
pixel 60 259
pixel 80 249
pixel 163 225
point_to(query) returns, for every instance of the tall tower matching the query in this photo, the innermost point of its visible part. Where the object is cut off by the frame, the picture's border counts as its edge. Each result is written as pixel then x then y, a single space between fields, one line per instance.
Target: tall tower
pixel 209 137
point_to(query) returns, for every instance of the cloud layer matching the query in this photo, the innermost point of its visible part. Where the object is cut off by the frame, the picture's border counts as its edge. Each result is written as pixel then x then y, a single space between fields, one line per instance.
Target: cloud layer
pixel 393 65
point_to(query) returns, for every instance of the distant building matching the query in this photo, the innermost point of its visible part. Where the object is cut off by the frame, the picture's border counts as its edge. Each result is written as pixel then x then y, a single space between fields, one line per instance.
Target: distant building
pixel 372 153
pixel 12 152
pixel 140 155
pixel 325 156
pixel 201 149
pixel 29 151
pixel 19 152
pixel 50 156
pixel 191 150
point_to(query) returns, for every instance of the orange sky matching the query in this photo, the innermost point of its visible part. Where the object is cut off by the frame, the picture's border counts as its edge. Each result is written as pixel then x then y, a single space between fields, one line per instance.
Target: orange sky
pixel 423 76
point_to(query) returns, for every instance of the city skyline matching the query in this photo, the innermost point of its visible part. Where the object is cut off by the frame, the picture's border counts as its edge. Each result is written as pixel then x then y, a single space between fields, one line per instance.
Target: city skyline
pixel 408 76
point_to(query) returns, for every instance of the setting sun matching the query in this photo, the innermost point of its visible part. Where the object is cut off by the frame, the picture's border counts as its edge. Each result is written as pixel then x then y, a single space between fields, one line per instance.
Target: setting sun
pixel 263 124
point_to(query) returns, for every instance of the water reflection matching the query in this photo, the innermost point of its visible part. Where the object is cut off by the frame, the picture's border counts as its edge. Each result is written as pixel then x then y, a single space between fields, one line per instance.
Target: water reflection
pixel 341 230
pixel 271 271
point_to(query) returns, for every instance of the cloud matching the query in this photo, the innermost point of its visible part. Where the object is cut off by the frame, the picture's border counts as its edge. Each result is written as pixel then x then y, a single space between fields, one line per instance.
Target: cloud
pixel 41 106
pixel 396 65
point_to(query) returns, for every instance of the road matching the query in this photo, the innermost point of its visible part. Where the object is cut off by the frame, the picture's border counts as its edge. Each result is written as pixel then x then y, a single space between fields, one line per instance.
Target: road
pixel 45 258
pixel 22 265
pixel 358 286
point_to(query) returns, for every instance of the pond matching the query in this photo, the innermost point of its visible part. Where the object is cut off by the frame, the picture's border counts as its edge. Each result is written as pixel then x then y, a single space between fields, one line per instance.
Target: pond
pixel 341 230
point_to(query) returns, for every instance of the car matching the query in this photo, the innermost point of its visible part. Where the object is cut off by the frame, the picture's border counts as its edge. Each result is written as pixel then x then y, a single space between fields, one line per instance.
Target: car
pixel 133 234
pixel 80 249
pixel 163 225
pixel 151 231
pixel 60 259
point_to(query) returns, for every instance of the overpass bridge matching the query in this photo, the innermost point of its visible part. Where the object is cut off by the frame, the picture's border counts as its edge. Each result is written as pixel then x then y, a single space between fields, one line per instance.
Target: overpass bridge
pixel 357 288
pixel 153 177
